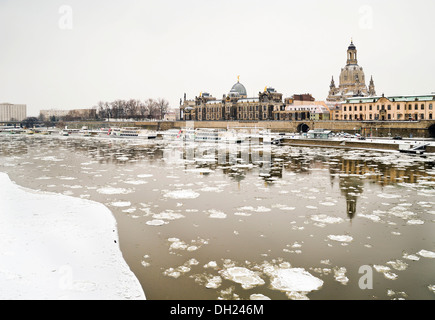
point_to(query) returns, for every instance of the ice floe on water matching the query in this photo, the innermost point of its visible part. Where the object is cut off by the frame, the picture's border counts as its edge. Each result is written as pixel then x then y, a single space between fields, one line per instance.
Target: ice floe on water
pixel 156 222
pixel 177 244
pixel 113 190
pixel 426 253
pixel 248 279
pixel 182 194
pixel 295 282
pixel 340 238
pixel 120 203
pixel 217 214
pixel 323 218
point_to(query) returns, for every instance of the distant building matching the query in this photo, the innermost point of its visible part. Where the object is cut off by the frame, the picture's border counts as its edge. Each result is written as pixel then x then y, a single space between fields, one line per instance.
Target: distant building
pixel 69 114
pixel 268 105
pixel 352 80
pixel 13 112
pixel 47 114
pixel 413 107
pixel 236 105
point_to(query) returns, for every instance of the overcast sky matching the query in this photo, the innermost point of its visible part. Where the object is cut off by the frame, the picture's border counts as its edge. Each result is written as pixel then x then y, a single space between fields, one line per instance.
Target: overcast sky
pixel 73 53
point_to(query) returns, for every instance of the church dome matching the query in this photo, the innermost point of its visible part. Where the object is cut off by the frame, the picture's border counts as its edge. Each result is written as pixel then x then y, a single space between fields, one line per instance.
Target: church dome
pixel 239 88
pixel 351 46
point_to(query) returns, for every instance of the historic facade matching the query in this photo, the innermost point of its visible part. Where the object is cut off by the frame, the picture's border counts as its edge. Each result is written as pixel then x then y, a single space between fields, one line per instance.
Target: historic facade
pixel 352 80
pixel 235 105
pixel 394 108
pixel 268 105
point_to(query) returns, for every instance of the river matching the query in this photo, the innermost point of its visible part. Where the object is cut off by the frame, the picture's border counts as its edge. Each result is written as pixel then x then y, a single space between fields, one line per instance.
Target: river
pixel 206 221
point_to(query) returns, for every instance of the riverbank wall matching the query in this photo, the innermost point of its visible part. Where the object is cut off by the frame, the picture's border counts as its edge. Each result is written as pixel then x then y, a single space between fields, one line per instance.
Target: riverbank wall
pixel 406 129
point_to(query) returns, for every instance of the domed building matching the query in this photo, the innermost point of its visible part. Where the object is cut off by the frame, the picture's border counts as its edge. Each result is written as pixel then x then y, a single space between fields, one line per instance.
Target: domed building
pixel 238 90
pixel 352 80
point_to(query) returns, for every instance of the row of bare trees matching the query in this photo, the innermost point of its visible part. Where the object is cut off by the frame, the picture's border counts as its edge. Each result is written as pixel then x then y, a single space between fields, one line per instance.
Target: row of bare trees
pixel 133 109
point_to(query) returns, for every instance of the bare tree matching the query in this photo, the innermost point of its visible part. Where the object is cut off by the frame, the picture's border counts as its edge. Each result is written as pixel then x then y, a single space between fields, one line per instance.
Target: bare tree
pixel 163 106
pixel 143 109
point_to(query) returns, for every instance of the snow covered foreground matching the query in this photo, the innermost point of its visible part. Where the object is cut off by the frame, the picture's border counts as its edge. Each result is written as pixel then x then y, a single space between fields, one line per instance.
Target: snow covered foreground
pixel 54 246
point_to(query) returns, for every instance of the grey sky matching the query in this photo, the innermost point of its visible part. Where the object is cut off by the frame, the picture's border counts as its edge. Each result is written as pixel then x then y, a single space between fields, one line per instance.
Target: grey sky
pixel 162 49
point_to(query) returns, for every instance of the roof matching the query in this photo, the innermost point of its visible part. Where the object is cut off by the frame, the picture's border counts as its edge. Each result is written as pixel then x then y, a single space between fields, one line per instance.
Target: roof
pixel 402 98
pixel 239 88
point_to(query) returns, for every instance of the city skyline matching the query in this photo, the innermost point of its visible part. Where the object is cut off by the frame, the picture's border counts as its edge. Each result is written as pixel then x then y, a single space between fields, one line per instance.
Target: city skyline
pixel 68 56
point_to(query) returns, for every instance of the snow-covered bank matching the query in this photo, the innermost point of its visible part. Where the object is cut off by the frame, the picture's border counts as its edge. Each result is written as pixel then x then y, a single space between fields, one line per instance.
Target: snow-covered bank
pixel 57 247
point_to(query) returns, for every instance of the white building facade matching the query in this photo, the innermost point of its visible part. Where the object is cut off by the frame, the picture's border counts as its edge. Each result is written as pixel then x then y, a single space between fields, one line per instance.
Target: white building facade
pixel 12 112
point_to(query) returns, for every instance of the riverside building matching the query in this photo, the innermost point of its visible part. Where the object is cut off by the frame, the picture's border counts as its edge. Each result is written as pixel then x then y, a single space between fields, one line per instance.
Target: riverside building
pixel 268 105
pixel 12 112
pixel 393 108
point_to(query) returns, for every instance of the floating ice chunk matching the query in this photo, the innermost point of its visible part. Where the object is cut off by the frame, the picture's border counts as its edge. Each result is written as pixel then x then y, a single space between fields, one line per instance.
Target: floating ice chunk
pixel 136 182
pixel 426 253
pixel 216 214
pixel 121 204
pixel 415 222
pixel 327 203
pixel 294 280
pixel 211 189
pixel 182 194
pixel 247 278
pixel 156 222
pixel 168 215
pixel 211 264
pixel 380 268
pixel 66 178
pixel 412 257
pixel 311 207
pixel 214 282
pixel 323 218
pixel 389 196
pixel 258 296
pixel 145 175
pixel 340 275
pixel 43 178
pixel 51 158
pixel 372 217
pixel 340 238
pixel 398 265
pixel 112 190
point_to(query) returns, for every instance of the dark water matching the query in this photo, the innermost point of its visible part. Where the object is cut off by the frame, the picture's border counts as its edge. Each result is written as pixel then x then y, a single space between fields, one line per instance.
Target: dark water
pixel 200 222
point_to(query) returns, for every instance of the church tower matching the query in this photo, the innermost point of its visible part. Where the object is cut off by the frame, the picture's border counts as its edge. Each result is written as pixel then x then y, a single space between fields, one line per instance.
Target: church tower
pixel 372 91
pixel 352 80
pixel 351 54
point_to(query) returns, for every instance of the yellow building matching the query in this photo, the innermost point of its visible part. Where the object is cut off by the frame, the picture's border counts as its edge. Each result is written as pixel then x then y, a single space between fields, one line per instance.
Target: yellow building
pixel 393 108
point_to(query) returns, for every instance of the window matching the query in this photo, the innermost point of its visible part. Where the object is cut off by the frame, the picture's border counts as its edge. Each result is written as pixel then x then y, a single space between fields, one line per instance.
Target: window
pixel 389 116
pixel 370 107
pixel 422 107
pixel 399 116
pixel 398 107
pixel 409 107
pixel 350 117
pixel 416 107
pixel 377 107
pixel 389 107
pixel 430 116
pixel 344 108
pixel 421 116
pixel 355 108
pixel 371 116
pixel 360 108
pixel 430 106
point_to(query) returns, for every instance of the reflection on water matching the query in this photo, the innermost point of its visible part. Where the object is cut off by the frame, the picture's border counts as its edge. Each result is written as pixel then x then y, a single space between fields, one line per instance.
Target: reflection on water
pixel 204 221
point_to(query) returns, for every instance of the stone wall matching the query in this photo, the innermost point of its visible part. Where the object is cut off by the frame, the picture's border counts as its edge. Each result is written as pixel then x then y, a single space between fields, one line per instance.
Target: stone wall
pixel 407 129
